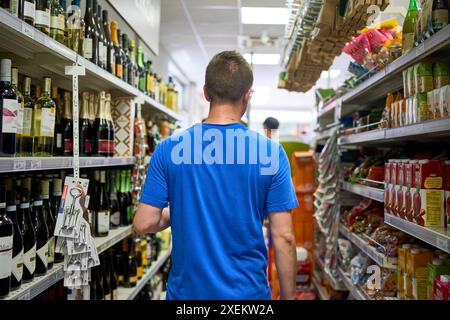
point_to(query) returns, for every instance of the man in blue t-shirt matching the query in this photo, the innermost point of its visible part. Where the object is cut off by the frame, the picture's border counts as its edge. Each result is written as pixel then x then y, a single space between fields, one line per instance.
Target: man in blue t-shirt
pixel 222 180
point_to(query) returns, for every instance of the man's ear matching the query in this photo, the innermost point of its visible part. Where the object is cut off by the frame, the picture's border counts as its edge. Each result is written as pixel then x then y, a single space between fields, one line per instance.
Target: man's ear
pixel 206 94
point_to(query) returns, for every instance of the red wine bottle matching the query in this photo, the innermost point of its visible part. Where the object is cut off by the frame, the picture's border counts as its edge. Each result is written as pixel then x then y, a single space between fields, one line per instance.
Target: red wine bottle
pixel 40 227
pixel 9 109
pixel 17 255
pixel 28 232
pixel 85 127
pixel 67 125
pixel 101 143
pixel 6 246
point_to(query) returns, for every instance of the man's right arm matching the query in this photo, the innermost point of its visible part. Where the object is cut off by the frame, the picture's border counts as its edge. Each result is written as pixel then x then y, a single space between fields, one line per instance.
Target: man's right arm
pixel 283 240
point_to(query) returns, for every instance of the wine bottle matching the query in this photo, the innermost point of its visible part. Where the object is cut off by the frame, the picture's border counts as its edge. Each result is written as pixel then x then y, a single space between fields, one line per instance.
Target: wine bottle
pixel 131 279
pixel 127 61
pixel 133 61
pixel 28 233
pixel 123 199
pixel 142 72
pixel 104 273
pixel 111 129
pixel 28 11
pixel 85 127
pixel 102 209
pixel 170 93
pixel 117 54
pixel 439 15
pixel 6 246
pixel 130 202
pixel 25 141
pixel 17 254
pixel 40 227
pixel 123 56
pixel 93 202
pixel 138 257
pixel 9 108
pixel 90 43
pixel 50 221
pixel 150 79
pixel 42 16
pixel 113 282
pixel 102 42
pixel 97 278
pixel 114 208
pixel 75 27
pixel 20 110
pixel 92 115
pixel 12 6
pixel 54 204
pixel 67 125
pixel 100 141
pixel 110 58
pixel 57 21
pixel 58 142
pixel 44 123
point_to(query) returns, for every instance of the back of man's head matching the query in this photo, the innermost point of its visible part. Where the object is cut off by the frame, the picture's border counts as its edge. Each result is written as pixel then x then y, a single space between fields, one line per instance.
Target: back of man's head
pixel 228 77
pixel 271 123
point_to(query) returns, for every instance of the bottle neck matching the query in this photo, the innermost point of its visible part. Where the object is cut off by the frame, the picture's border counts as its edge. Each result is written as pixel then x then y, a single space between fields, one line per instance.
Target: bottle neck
pixel 412 5
pixel 84 114
pixel 14 77
pixel 27 86
pixel 101 114
pixel 47 86
pixel 67 106
pixel 114 33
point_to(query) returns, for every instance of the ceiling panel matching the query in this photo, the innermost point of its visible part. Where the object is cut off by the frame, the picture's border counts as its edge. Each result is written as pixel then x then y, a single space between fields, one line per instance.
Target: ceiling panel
pixel 256 30
pixel 217 27
pixel 263 3
pixel 210 3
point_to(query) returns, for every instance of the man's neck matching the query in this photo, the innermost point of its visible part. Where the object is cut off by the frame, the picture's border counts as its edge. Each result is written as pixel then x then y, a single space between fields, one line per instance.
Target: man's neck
pixel 223 114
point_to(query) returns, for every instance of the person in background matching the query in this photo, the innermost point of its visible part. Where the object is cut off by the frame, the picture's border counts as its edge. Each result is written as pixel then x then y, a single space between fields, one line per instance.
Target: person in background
pixel 217 209
pixel 270 124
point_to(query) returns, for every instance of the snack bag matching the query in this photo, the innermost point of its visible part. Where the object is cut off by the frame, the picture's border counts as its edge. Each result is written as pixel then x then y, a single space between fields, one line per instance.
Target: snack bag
pixel 358 47
pixel 430 105
pixel 422 101
pixel 376 39
pixel 441 73
pixel 411 81
pixel 423 77
pixel 444 104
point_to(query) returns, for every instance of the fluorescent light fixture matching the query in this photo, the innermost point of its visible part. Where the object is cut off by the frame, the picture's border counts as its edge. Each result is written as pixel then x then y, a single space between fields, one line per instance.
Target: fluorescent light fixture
pixel 262 58
pixel 334 73
pixel 264 15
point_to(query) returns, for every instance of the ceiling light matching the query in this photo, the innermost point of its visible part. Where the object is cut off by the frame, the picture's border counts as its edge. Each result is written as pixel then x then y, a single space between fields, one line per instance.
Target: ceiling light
pixel 262 58
pixel 333 74
pixel 264 15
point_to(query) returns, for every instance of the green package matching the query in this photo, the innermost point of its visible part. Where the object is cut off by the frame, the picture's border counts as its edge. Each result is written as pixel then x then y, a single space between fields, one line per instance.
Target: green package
pixel 441 73
pixel 423 77
pixel 422 106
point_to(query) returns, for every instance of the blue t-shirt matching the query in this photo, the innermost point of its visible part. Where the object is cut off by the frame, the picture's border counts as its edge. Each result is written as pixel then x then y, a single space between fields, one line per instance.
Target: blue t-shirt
pixel 221 182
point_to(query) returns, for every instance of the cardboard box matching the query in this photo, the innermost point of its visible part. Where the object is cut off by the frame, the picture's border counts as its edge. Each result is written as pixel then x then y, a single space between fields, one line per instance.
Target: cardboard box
pixel 416 269
pixel 122 112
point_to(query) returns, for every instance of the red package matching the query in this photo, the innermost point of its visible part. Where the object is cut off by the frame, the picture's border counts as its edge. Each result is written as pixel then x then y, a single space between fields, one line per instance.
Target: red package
pixel 357 48
pixel 409 177
pixel 387 185
pixel 376 39
pixel 392 191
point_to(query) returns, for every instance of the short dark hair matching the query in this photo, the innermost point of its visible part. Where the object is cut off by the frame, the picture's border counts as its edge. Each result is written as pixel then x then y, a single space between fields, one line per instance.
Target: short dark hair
pixel 271 123
pixel 228 77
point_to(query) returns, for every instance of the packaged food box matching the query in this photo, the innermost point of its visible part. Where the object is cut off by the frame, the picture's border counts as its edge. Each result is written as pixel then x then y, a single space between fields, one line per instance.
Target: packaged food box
pixel 392 190
pixel 122 111
pixel 447 191
pixel 444 103
pixel 441 72
pixel 387 185
pixel 417 260
pixel 411 81
pixel 436 110
pixel 401 188
pixel 442 288
pixel 406 91
pixel 435 269
pixel 430 105
pixel 428 198
pixel 423 77
pixel 410 174
pixel 401 270
pixel 422 103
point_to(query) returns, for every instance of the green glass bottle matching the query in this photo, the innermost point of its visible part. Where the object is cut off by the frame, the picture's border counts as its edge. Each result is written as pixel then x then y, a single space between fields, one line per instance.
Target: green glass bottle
pixel 409 27
pixel 58 21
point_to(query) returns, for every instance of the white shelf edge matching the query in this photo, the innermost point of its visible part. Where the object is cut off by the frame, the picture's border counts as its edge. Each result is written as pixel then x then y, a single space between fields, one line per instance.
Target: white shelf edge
pixel 32 289
pixel 131 293
pixel 370 251
pixel 160 107
pixel 365 191
pixel 435 236
pixel 356 292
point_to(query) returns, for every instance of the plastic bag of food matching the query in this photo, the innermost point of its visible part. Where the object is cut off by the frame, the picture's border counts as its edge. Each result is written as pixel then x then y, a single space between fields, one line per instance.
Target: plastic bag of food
pixel 441 73
pixel 422 101
pixel 376 39
pixel 430 106
pixel 411 82
pixel 444 106
pixel 424 20
pixel 436 110
pixel 423 77
pixel 357 48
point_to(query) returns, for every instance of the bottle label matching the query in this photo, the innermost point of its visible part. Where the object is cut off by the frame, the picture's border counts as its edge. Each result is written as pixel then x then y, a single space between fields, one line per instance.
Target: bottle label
pixel 17 266
pixel 59 140
pixel 20 112
pixel 87 145
pixel 47 122
pixel 6 246
pixel 133 279
pixel 29 9
pixel 119 70
pixel 113 61
pixel 14 7
pixel 68 145
pixel 115 218
pixel 37 203
pixel 11 208
pixel 103 221
pixel 24 205
pixel 408 41
pixel 10 115
pixel 102 52
pixel 42 18
pixel 29 259
pixel 105 146
pixel 51 250
pixel 61 23
pixel 440 19
pixel 87 48
pixel 42 253
pixel 27 121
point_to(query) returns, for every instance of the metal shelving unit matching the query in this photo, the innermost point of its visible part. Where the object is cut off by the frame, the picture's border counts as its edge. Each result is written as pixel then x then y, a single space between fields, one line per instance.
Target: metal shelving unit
pixel 356 292
pixel 8 165
pixel 438 237
pixel 365 191
pixel 371 252
pixel 131 293
pixel 389 78
pixel 37 54
pixel 32 289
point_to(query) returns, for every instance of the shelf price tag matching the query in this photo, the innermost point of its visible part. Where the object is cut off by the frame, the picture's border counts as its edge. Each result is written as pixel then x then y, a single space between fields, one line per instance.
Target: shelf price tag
pixel 20 165
pixel 442 243
pixel 27 30
pixel 36 164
